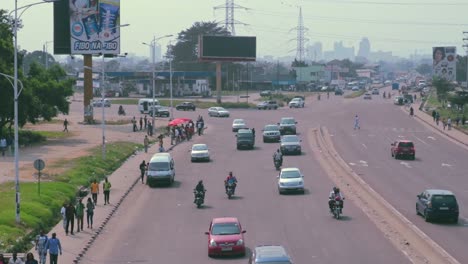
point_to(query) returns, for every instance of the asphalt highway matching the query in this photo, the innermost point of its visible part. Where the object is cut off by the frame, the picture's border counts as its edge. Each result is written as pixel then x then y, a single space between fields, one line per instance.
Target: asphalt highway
pixel 162 225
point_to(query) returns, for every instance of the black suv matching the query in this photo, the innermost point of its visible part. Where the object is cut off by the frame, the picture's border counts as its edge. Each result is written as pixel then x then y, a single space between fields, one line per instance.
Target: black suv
pixel 440 204
pixel 287 126
pixel 185 106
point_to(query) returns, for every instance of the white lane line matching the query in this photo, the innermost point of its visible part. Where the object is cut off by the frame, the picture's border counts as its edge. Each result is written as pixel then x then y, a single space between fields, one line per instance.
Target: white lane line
pixel 352 164
pixel 433 138
pixel 364 163
pixel 364 145
pixel 446 165
pixel 405 164
pixel 420 140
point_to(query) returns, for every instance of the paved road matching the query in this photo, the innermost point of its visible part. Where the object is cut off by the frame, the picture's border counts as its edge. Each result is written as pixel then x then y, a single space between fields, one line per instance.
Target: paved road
pixel 163 225
pixel 439 163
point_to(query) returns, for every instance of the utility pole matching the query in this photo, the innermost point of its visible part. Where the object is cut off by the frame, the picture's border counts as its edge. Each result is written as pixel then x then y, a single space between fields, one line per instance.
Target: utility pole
pixel 466 48
pixel 300 37
pixel 229 20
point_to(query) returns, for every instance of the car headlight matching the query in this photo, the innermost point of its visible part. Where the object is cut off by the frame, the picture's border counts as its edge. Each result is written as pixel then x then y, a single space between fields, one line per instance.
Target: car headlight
pixel 281 183
pixel 240 242
pixel 213 243
pixel 300 183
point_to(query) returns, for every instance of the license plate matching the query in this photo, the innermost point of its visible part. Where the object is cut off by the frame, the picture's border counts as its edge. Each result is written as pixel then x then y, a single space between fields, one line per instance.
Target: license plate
pixel 443 208
pixel 226 249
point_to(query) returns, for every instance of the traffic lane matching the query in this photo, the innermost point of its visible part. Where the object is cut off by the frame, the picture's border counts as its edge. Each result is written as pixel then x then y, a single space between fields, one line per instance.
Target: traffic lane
pixel 399 181
pixel 267 217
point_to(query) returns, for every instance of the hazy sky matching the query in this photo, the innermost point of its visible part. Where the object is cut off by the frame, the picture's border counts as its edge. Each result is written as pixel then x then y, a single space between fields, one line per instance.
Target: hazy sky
pixel 401 26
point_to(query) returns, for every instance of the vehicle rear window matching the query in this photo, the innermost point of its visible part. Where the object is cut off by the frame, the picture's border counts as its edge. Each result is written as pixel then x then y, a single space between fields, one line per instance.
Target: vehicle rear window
pixel 225 229
pixel 406 144
pixel 159 166
pixel 440 199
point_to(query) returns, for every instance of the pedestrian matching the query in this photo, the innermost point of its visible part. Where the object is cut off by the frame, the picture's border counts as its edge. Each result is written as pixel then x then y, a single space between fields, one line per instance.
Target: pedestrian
pixel 64 215
pixel 449 123
pixel 142 170
pixel 199 127
pixel 150 128
pixel 444 123
pixel 434 115
pixel 145 121
pixel 134 124
pixel 3 146
pixel 30 259
pixel 79 209
pixel 65 125
pixel 71 214
pixel 177 135
pixel 253 132
pixel 95 191
pixel 54 247
pixel 437 117
pixel 173 138
pixel 41 242
pixel 146 143
pixel 457 120
pixel 106 186
pixel 161 148
pixel 2 259
pixel 14 259
pixel 356 123
pixel 160 138
pixel 89 212
pixel 411 111
pixel 328 94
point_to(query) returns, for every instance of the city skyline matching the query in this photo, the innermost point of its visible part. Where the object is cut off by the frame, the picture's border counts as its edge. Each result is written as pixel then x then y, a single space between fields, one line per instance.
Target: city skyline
pixel 328 22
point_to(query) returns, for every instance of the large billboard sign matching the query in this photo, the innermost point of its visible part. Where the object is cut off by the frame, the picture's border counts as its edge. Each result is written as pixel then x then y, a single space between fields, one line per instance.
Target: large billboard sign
pixel 94 26
pixel 227 48
pixel 444 62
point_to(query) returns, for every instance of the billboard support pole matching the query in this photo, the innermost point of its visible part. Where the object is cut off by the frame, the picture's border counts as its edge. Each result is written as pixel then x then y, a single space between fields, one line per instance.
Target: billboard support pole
pixel 218 82
pixel 88 88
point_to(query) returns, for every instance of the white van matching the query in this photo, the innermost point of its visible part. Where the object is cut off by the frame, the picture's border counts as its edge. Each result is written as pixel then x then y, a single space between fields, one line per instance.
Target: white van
pixel 161 169
pixel 144 105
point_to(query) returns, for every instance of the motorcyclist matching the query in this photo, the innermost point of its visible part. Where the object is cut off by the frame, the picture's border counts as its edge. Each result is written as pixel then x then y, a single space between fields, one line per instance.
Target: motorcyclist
pixel 411 111
pixel 331 198
pixel 121 110
pixel 277 156
pixel 230 180
pixel 200 188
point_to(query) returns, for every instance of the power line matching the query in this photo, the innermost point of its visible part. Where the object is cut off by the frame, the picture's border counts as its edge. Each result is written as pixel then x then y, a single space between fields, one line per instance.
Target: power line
pixel 229 20
pixel 441 3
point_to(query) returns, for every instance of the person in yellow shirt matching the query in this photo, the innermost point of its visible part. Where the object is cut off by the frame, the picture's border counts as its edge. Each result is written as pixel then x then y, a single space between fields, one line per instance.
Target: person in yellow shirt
pixel 106 185
pixel 94 191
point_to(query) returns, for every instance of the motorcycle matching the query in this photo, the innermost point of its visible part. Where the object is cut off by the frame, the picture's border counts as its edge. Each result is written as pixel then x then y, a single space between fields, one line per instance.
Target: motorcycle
pixel 336 209
pixel 121 111
pixel 199 198
pixel 230 190
pixel 277 164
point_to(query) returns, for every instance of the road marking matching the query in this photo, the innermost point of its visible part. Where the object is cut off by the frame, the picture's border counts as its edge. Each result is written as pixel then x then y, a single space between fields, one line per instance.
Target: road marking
pixel 364 163
pixel 400 136
pixel 421 140
pixel 433 138
pixel 352 164
pixel 405 164
pixel 364 145
pixel 446 165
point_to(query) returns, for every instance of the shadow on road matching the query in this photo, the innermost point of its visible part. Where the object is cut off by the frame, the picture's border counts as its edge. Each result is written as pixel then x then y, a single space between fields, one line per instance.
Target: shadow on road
pixel 248 252
pixel 235 197
pixel 345 218
pixel 203 207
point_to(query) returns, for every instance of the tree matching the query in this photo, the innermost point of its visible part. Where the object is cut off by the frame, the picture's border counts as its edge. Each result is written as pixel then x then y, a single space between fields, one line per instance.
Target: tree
pixel 443 87
pixel 424 69
pixel 461 68
pixel 297 63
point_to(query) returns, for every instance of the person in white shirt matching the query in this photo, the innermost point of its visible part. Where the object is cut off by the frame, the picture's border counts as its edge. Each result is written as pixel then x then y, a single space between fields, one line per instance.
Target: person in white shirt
pixel 15 260
pixel 64 216
pixel 331 198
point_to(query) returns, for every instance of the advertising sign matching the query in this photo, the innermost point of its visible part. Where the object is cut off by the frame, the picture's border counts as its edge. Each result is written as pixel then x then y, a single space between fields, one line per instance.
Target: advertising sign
pixel 444 62
pixel 94 26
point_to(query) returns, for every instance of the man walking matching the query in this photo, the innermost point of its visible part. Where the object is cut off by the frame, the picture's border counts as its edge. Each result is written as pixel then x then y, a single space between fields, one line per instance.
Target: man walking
pixel 145 121
pixel 356 123
pixel 106 186
pixel 146 143
pixel 71 213
pixel 3 146
pixel 142 170
pixel 95 191
pixel 141 123
pixel 65 125
pixel 54 247
pixel 79 215
pixel 63 212
pixel 41 243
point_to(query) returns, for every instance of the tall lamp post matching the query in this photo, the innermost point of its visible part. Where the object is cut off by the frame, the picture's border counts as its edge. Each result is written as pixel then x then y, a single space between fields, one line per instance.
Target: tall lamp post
pixel 152 45
pixel 16 95
pixel 170 78
pixel 46 58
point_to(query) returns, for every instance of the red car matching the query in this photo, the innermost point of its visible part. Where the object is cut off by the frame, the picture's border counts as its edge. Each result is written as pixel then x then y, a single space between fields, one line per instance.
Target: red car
pixel 225 237
pixel 402 148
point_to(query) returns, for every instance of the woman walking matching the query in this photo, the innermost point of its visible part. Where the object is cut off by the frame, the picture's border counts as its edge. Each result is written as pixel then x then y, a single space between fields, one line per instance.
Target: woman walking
pixel 89 212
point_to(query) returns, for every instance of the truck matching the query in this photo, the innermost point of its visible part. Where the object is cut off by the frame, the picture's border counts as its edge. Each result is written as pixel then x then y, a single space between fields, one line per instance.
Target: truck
pixel 395 86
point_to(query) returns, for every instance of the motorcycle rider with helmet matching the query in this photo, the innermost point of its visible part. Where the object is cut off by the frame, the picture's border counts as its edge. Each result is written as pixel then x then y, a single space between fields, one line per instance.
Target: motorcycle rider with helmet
pixel 200 188
pixel 230 180
pixel 278 157
pixel 331 198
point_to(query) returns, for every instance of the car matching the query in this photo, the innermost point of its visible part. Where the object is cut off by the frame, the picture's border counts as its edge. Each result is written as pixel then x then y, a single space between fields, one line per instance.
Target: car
pixel 267 105
pixel 199 152
pixel 355 88
pixel 437 204
pixel 245 139
pixel 398 100
pixel 98 103
pixel 287 126
pixel 324 88
pixel 296 103
pixel 218 112
pixel 159 111
pixel 290 144
pixel 238 124
pixel 225 237
pixel 367 96
pixel 271 133
pixel 402 148
pixel 290 179
pixel 265 93
pixel 270 254
pixel 375 91
pixel 185 106
pixel 338 91
pixel 299 96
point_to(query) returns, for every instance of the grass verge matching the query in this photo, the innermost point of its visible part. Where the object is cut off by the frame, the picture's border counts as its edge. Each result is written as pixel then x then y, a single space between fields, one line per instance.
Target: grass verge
pixel 43 212
pixel 445 113
pixel 355 94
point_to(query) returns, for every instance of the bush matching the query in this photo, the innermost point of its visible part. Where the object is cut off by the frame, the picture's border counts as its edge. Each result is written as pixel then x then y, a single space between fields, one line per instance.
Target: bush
pixel 29 137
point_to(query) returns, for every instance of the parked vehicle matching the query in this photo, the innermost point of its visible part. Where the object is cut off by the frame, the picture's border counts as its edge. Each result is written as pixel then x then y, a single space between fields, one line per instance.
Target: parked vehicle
pixel 100 103
pixel 437 204
pixel 144 105
pixel 159 111
pixel 338 91
pixel 265 93
pixel 395 86
pixel 185 106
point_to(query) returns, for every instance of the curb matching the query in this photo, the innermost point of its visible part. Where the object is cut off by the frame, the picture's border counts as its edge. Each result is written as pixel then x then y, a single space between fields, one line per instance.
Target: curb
pixel 94 236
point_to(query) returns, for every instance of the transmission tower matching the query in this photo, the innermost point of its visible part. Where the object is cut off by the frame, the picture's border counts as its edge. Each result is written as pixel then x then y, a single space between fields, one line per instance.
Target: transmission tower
pixel 300 39
pixel 229 21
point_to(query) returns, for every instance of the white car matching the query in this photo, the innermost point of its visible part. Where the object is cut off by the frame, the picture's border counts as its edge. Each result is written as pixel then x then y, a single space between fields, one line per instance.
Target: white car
pixel 290 179
pixel 218 112
pixel 368 96
pixel 355 88
pixel 296 103
pixel 238 124
pixel 200 152
pixel 98 103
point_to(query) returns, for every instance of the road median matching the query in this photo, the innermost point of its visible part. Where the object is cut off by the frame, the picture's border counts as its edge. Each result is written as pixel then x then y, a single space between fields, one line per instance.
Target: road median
pixel 404 235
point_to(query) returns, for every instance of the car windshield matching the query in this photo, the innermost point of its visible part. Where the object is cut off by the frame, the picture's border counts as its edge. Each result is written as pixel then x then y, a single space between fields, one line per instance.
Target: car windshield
pixel 287 121
pixel 199 147
pixel 271 128
pixel 225 229
pixel 290 139
pixel 221 109
pixel 295 99
pixel 159 166
pixel 441 199
pixel 244 135
pixel 238 121
pixel 406 144
pixel 290 174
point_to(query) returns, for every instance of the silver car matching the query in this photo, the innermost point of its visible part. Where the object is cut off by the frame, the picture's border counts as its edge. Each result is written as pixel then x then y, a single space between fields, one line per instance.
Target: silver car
pixel 271 133
pixel 200 152
pixel 290 144
pixel 296 103
pixel 99 103
pixel 290 179
pixel 238 124
pixel 218 112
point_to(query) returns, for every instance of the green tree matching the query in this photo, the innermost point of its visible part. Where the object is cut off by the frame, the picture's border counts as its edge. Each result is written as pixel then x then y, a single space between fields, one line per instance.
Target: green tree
pixel 443 87
pixel 424 69
pixel 38 57
pixel 297 63
pixel 461 68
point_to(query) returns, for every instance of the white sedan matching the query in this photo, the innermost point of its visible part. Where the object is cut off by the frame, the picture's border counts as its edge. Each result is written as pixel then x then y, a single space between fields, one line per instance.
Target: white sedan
pixel 238 124
pixel 290 179
pixel 296 103
pixel 218 112
pixel 200 152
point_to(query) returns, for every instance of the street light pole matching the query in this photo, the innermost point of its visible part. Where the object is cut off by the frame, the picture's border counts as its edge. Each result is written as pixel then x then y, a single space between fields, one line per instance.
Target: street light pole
pixel 103 123
pixel 15 96
pixel 170 86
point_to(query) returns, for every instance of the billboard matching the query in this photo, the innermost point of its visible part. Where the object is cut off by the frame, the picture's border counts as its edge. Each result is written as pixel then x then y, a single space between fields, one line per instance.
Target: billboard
pixel 444 62
pixel 227 48
pixel 94 26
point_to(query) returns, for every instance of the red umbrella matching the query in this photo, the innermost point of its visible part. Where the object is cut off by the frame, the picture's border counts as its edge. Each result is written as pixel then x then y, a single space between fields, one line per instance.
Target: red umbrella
pixel 179 121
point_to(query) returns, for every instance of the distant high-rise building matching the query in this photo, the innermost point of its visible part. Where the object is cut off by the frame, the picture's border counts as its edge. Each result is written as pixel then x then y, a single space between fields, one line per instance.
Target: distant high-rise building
pixel 315 52
pixel 364 48
pixel 339 52
pixel 157 54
